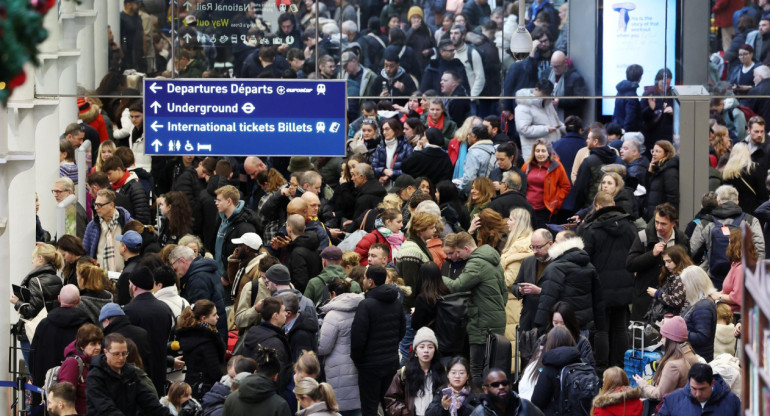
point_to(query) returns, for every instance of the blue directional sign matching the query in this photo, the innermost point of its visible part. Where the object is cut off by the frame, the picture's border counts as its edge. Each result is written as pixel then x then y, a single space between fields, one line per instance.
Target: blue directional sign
pixel 244 117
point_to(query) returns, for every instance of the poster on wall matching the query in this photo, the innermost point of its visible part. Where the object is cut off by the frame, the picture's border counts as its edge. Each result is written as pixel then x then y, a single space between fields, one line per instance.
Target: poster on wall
pixel 639 32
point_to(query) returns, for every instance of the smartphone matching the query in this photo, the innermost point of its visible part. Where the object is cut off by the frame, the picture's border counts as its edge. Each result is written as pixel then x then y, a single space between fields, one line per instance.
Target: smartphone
pixel 447 391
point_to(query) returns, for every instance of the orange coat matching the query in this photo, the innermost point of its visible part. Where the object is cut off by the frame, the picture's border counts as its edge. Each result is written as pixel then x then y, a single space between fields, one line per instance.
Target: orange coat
pixel 556 186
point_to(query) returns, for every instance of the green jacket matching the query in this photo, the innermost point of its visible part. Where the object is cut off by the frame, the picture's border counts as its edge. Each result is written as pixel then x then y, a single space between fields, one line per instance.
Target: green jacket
pixel 314 290
pixel 483 276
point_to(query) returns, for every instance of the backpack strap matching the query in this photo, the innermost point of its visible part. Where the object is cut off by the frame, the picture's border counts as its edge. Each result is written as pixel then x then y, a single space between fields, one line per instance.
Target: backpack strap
pixel 737 221
pixel 81 365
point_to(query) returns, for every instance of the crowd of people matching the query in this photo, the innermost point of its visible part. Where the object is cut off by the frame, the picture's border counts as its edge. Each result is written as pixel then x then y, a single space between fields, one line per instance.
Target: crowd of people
pixel 331 285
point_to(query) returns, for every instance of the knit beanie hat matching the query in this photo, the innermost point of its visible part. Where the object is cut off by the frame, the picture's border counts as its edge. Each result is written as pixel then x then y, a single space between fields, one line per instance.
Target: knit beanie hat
pixel 675 329
pixel 415 10
pixel 425 334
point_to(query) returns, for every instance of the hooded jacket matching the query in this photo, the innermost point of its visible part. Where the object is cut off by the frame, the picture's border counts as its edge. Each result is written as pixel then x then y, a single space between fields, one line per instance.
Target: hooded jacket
pixel 204 354
pixel 52 336
pixel 113 394
pixel 483 276
pixel 548 388
pixel 91 303
pixel 378 326
pixel 590 174
pixel 722 401
pixel 556 187
pixel 628 111
pixel 662 186
pixel 213 401
pixel 608 236
pixel 70 372
pixel 571 277
pixel 400 76
pixel 202 282
pixel 334 345
pixel 243 220
pixel 303 335
pixel 533 118
pixel 479 161
pixel 268 336
pixel 314 290
pixel 303 260
pixel 623 401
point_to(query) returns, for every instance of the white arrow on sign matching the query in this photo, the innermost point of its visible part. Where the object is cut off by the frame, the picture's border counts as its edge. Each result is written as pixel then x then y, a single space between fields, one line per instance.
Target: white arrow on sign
pixel 156 144
pixel 155 126
pixel 155 106
pixel 248 108
pixel 204 147
pixel 154 87
pixel 187 37
pixel 187 5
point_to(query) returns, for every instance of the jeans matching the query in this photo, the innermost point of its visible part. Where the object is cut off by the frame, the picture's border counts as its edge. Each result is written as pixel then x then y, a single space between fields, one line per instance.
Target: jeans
pixel 610 344
pixel 487 107
pixel 477 363
pixel 406 342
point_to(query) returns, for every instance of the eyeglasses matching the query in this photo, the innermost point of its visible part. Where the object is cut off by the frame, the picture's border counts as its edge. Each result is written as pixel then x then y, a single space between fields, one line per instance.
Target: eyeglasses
pixel 57 192
pixel 744 54
pixel 98 205
pixel 540 247
pixel 174 262
pixel 458 373
pixel 119 354
pixel 497 384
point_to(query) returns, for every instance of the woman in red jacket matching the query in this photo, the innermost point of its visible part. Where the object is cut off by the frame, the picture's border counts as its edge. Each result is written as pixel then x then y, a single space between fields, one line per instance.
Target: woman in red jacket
pixel 387 230
pixel 547 182
pixel 77 361
pixel 617 398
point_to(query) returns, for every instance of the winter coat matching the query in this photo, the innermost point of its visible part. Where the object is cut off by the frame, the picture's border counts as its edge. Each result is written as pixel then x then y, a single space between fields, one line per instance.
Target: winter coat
pixel 122 325
pixel 608 237
pixel 504 203
pixel 646 266
pixel 139 201
pixel 204 354
pixel 401 76
pixel 590 174
pixel 147 312
pixel 571 277
pixel 368 196
pixel 628 111
pixel 511 260
pixel 402 153
pixel 573 86
pixel 362 248
pixel 656 125
pixel 256 396
pixel 701 320
pixel 623 401
pixel 314 290
pixel 318 409
pixel 378 326
pixel 479 161
pixel 521 75
pixel 567 147
pixel 751 188
pixel 725 214
pixel 52 336
pixel 412 254
pixel 723 12
pixel 527 274
pixel 662 186
pixel 419 40
pixel 431 78
pixel 548 389
pixel 638 169
pixel 70 372
pixel 435 408
pixel 202 282
pixel 303 259
pixel 334 345
pixel 51 285
pixel 113 394
pixel 267 335
pixel 556 187
pixel 94 231
pixel 214 400
pixel 533 118
pixel 303 335
pixel 483 276
pixel 518 407
pixel 448 130
pixel 92 302
pixel 722 401
pixel 430 162
pixel 243 220
pixel 673 376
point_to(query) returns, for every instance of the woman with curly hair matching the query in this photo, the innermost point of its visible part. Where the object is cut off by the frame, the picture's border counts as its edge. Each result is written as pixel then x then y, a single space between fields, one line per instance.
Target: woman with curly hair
pixel 175 218
pixel 271 182
pixel 489 228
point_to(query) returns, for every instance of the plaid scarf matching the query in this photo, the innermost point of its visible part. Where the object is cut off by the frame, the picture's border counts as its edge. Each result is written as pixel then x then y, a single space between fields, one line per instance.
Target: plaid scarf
pixel 108 229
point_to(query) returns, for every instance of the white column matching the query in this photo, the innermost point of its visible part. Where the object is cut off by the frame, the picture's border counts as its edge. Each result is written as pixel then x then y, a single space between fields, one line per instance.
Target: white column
pixel 114 7
pixel 86 15
pixel 100 41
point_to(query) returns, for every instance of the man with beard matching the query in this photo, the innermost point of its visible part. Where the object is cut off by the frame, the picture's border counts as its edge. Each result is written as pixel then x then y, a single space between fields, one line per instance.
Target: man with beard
pixel 498 399
pixel 393 80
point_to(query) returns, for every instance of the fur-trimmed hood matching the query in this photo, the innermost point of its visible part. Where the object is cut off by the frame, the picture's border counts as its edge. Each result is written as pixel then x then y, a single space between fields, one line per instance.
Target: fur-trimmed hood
pixel 557 249
pixel 617 396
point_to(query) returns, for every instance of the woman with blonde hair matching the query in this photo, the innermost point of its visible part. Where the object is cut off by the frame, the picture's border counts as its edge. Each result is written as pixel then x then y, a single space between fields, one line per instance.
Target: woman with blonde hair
pixel 482 192
pixel 745 176
pixel 516 249
pixel 701 314
pixel 204 352
pixel 616 397
pixel 106 150
pixel 315 398
pixel 613 184
pixel 663 178
pixel 547 182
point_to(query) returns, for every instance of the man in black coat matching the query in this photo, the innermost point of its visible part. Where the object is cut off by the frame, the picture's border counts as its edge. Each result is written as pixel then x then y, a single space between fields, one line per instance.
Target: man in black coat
pixel 127 183
pixel 270 334
pixel 445 61
pixel 114 320
pixel 114 388
pixel 431 161
pixel 457 108
pixel 190 182
pixel 590 171
pixel 130 246
pixel 369 192
pixel 301 328
pixel 526 287
pixel 567 82
pixel 510 196
pixel 645 259
pixel 477 12
pixel 608 234
pixel 378 326
pixel 303 260
pixel 146 311
pixel 54 333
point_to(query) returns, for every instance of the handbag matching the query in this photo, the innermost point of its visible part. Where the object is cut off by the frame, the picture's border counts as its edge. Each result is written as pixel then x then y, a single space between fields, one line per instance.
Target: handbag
pixel 30 325
pixel 351 240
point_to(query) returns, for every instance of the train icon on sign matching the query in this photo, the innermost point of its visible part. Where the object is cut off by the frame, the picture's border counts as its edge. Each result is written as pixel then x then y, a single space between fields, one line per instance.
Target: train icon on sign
pixel 321 89
pixel 320 127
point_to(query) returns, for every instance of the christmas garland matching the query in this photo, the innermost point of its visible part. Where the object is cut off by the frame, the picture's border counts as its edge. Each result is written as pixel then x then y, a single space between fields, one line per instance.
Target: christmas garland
pixel 21 31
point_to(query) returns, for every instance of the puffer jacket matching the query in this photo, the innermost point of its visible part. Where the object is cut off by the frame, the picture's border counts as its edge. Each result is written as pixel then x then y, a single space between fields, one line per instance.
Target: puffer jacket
pixel 533 118
pixel 50 284
pixel 204 354
pixel 334 345
pixel 511 260
pixel 379 157
pixel 556 186
pixel 410 257
pixel 662 186
pixel 213 401
pixel 70 372
pixel 52 336
pixel 701 320
pixel 483 276
pixel 303 260
pixel 367 196
pixel 548 389
pixel 139 201
pixel 378 326
pixel 267 335
pixel 303 335
pixel 721 402
pixel 628 111
pixel 571 277
pixel 256 396
pixel 479 161
pixel 622 401
pixel 362 248
pixel 608 237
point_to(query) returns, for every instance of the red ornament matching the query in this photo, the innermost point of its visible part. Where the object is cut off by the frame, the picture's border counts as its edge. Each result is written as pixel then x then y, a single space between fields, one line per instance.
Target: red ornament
pixel 18 80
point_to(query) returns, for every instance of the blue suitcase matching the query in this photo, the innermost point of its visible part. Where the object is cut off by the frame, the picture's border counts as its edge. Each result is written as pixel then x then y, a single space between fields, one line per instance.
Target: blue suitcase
pixel 637 360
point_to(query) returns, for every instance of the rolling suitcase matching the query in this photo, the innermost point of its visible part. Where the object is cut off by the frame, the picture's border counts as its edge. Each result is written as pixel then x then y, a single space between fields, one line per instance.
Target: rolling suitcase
pixel 637 360
pixel 498 352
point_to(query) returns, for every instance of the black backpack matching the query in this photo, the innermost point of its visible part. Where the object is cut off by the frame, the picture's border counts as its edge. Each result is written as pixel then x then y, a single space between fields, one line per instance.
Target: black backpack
pixel 451 319
pixel 579 385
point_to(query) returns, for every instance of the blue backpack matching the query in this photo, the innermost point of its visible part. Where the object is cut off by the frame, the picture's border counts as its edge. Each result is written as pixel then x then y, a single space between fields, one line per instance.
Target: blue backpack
pixel 719 264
